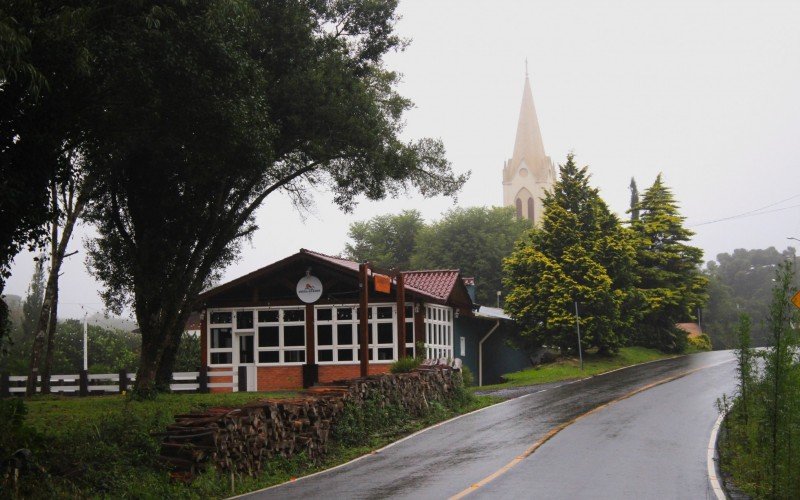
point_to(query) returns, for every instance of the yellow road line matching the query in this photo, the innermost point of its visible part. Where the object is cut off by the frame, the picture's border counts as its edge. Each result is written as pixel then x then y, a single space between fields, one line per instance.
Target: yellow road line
pixel 519 458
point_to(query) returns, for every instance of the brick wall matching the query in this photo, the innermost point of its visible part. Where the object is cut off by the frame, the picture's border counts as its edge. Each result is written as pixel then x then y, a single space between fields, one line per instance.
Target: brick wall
pixel 329 373
pixel 220 380
pixel 279 378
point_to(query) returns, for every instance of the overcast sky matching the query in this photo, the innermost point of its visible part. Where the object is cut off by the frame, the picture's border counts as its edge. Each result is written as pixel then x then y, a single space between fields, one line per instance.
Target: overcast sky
pixel 705 92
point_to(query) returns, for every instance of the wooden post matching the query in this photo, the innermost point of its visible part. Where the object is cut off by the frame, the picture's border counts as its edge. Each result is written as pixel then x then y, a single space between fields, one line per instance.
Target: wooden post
pixel 363 329
pixel 33 380
pixel 401 316
pixel 204 339
pixel 5 387
pixel 83 385
pixel 242 379
pixel 123 381
pixel 202 379
pixel 419 328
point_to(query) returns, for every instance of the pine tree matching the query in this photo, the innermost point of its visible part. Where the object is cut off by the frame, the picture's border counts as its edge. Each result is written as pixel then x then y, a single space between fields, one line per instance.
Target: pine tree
pixel 580 254
pixel 634 210
pixel 670 282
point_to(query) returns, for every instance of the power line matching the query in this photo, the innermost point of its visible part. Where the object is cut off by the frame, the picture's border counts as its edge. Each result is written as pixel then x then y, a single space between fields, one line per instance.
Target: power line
pixel 753 213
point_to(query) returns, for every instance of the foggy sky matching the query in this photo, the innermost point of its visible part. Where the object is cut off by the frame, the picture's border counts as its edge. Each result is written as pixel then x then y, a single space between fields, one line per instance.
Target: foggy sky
pixel 704 92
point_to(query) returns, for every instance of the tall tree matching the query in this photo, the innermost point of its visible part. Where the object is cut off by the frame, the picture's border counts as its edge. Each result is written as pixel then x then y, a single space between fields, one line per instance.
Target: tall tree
pixel 580 254
pixel 385 240
pixel 634 207
pixel 474 240
pixel 33 299
pixel 671 283
pixel 212 107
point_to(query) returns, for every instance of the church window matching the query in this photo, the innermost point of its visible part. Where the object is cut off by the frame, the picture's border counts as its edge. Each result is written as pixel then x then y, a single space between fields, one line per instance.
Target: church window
pixel 530 208
pixel 519 208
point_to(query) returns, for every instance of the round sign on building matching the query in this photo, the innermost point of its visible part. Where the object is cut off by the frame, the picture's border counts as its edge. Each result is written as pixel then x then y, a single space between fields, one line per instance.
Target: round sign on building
pixel 309 289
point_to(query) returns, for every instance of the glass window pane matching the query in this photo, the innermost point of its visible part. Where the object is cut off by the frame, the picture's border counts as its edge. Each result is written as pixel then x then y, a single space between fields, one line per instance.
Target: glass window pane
pixel 294 357
pixel 324 335
pixel 294 315
pixel 385 312
pixel 221 318
pixel 324 355
pixel 344 313
pixel 325 314
pixel 269 357
pixel 371 327
pixel 268 316
pixel 409 352
pixel 246 349
pixel 221 338
pixel 369 313
pixel 385 353
pixel 345 354
pixel 268 336
pixel 385 333
pixel 344 334
pixel 294 335
pixel 409 311
pixel 221 358
pixel 409 332
pixel 244 320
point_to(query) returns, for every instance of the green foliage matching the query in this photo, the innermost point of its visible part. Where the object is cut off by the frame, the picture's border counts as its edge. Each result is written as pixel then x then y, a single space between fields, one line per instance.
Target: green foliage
pixel 466 376
pixel 405 365
pixel 670 285
pixel 760 448
pixel 581 253
pixel 634 208
pixel 740 282
pixel 474 240
pixel 699 343
pixel 358 423
pixel 386 241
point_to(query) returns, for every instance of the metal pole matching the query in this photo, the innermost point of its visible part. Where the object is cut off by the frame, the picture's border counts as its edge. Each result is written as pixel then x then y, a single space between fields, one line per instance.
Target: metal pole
pixel 85 343
pixel 578 329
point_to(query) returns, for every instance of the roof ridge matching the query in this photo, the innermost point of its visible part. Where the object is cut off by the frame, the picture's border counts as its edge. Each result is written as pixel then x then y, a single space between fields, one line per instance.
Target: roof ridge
pixel 307 250
pixel 416 271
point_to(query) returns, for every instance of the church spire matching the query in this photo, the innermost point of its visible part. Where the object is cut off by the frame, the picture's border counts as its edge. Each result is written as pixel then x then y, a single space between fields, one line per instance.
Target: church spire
pixel 528 144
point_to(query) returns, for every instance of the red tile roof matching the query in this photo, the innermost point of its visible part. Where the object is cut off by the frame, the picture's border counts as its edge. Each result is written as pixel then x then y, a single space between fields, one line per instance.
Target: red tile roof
pixel 438 283
pixel 693 329
pixel 339 261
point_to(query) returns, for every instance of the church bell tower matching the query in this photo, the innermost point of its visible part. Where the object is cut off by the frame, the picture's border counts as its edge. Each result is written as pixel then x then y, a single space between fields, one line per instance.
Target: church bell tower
pixel 529 172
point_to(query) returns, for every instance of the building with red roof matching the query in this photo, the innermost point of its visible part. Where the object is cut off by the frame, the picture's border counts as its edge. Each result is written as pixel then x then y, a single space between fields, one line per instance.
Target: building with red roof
pixel 298 321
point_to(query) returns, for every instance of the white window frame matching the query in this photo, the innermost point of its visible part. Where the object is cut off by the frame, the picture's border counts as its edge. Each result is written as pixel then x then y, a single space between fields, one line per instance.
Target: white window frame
pixel 234 349
pixel 373 346
pixel 438 332
pixel 215 350
pixel 410 328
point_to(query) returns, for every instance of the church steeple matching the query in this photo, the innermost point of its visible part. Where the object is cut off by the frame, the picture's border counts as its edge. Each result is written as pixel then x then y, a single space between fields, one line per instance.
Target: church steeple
pixel 528 144
pixel 529 173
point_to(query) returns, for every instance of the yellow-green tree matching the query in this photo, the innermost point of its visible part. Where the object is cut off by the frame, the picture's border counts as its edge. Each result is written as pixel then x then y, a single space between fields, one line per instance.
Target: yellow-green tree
pixel 580 254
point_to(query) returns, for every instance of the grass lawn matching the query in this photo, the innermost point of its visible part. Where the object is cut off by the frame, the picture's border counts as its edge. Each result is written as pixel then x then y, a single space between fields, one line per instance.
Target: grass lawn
pixel 102 447
pixel 569 368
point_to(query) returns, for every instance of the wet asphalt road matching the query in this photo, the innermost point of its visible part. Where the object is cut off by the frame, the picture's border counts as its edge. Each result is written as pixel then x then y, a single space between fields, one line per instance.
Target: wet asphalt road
pixel 651 445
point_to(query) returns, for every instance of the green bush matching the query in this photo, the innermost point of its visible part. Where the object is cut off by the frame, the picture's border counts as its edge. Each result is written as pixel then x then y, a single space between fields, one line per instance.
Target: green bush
pixel 700 343
pixel 405 365
pixel 467 377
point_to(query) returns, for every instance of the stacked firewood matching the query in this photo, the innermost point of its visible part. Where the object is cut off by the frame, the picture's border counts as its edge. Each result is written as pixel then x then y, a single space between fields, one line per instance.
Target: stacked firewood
pixel 241 440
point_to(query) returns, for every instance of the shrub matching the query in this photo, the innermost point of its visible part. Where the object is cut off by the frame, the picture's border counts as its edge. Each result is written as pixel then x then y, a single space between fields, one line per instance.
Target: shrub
pixel 405 365
pixel 466 376
pixel 700 343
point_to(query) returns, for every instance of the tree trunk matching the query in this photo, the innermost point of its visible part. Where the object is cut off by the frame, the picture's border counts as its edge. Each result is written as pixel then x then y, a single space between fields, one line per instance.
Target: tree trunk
pixel 51 328
pixel 170 352
pixel 41 333
pixel 145 386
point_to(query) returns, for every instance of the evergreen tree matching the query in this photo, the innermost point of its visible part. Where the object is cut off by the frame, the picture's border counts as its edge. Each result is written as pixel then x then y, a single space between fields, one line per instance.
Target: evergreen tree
pixel 634 210
pixel 670 282
pixel 580 254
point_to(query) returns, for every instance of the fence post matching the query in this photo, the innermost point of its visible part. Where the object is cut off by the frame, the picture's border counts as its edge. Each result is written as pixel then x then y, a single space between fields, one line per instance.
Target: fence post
pixel 5 387
pixel 83 389
pixel 242 379
pixel 202 380
pixel 35 380
pixel 123 381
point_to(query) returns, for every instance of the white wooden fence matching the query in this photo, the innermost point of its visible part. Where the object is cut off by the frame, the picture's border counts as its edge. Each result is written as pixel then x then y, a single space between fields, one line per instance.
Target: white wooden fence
pixel 84 384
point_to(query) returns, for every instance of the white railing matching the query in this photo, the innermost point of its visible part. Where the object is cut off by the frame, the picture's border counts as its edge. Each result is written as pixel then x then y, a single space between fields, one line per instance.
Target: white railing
pixel 106 383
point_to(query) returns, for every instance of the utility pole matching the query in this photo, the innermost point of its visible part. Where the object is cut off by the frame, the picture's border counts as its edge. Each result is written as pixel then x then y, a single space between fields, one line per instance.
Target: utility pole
pixel 85 343
pixel 578 330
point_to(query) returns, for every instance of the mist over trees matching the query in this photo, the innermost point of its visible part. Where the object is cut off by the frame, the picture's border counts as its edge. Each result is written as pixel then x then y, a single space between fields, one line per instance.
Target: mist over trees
pixel 740 283
pixel 474 240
